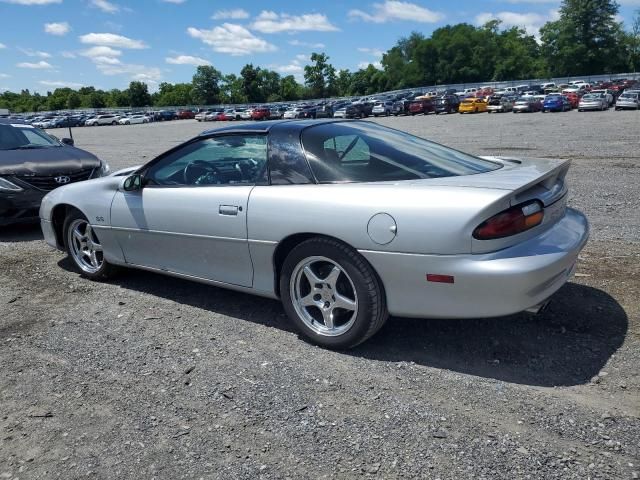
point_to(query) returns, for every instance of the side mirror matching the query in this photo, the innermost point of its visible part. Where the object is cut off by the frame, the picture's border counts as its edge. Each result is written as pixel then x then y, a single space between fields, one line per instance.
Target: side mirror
pixel 132 183
pixel 68 141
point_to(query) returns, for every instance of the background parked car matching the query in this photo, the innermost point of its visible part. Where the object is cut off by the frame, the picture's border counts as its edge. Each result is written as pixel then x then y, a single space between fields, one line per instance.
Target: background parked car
pixel 447 103
pixel 185 114
pixel 527 104
pixel 499 103
pixel 33 163
pixel 593 101
pixel 628 101
pixel 134 119
pixel 556 103
pixel 200 116
pixel 261 113
pixel 422 105
pixel 382 108
pixel 104 119
pixel 473 105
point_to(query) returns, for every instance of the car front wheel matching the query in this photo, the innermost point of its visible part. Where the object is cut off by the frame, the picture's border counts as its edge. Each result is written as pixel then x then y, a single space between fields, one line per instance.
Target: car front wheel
pixel 84 248
pixel 331 294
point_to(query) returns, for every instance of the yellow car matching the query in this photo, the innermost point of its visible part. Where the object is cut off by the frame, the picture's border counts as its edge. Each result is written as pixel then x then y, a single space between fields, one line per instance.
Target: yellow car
pixel 473 105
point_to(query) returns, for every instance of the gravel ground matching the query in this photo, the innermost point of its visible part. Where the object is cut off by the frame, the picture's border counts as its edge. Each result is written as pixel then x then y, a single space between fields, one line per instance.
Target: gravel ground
pixel 152 377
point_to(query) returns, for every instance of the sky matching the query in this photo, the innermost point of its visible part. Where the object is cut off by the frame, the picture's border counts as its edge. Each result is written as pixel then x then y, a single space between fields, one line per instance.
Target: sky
pixel 45 44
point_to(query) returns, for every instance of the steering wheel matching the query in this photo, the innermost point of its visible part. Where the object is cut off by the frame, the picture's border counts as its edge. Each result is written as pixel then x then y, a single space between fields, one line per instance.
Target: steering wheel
pixel 199 172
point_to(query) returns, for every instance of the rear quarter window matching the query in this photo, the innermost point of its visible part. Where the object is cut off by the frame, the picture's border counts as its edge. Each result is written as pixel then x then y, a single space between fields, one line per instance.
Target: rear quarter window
pixel 365 152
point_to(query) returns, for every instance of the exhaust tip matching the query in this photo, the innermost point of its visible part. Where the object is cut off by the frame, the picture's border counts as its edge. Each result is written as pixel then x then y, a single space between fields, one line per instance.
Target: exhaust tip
pixel 539 308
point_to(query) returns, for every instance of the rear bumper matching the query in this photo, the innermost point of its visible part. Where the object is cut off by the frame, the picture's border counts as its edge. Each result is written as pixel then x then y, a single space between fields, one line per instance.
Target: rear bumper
pixel 486 285
pixel 590 106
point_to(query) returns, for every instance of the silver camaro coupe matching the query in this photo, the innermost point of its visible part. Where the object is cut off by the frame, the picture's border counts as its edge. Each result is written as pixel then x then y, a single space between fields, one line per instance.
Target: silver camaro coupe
pixel 345 221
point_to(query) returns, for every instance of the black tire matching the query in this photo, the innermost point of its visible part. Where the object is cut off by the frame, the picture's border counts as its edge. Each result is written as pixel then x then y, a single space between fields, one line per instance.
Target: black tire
pixel 372 308
pixel 114 123
pixel 106 270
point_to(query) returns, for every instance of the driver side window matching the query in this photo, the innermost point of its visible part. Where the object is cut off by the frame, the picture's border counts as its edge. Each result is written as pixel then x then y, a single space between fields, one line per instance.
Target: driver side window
pixel 223 160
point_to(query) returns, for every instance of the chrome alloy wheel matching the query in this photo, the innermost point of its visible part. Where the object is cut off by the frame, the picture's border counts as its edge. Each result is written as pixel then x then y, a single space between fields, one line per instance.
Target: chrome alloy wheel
pixel 324 296
pixel 84 246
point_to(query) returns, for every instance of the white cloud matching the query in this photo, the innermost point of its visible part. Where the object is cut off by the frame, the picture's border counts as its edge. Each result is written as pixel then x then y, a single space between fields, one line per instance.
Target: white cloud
pixel 363 65
pixel 376 52
pixel 58 83
pixel 531 1
pixel 397 10
pixel 142 73
pixel 232 39
pixel 177 2
pixel 105 6
pixel 187 60
pixel 531 22
pixel 32 2
pixel 37 66
pixel 112 40
pixel 2 45
pixel 298 43
pixel 291 68
pixel 66 54
pixel 34 53
pixel 102 55
pixel 235 14
pixel 4 75
pixel 271 22
pixel 57 28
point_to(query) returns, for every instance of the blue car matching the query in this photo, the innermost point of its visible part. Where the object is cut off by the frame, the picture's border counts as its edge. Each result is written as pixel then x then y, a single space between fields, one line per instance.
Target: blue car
pixel 556 103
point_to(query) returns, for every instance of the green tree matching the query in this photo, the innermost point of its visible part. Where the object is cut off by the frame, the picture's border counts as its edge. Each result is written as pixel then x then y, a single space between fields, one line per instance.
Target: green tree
pixel 634 43
pixel 231 89
pixel 139 94
pixel 585 40
pixel 320 76
pixel 290 89
pixel 250 84
pixel 206 88
pixel 74 101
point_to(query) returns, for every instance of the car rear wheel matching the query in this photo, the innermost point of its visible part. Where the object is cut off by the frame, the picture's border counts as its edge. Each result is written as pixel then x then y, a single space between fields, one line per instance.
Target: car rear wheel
pixel 331 294
pixel 84 248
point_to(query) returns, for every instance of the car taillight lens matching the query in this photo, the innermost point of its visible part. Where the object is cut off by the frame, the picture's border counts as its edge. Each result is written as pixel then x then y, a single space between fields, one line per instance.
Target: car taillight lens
pixel 512 221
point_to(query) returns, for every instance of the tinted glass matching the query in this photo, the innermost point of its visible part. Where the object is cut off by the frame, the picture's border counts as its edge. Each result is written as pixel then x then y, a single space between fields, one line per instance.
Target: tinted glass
pixel 364 152
pixel 12 138
pixel 228 160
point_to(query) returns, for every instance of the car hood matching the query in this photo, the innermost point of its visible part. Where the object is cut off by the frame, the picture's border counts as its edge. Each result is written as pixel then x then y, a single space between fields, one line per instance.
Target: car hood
pixel 46 161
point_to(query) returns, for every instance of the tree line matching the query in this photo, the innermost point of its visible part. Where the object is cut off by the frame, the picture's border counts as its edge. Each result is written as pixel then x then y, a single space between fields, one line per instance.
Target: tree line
pixel 586 39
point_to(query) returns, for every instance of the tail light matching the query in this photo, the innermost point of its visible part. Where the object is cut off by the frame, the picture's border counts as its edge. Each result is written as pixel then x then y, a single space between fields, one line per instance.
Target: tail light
pixel 512 221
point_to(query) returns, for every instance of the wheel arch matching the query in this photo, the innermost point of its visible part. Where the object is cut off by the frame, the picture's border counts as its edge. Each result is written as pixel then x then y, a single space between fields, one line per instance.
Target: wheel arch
pixel 287 244
pixel 58 215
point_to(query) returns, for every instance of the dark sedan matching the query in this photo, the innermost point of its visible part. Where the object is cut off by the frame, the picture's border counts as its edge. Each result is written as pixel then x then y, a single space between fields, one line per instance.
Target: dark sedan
pixel 33 163
pixel 447 104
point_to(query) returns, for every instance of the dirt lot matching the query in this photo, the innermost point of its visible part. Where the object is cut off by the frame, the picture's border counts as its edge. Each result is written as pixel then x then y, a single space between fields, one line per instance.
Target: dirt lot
pixel 152 377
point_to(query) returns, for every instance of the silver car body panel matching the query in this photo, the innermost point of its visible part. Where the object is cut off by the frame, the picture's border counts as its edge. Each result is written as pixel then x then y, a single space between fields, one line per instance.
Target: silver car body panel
pixel 228 235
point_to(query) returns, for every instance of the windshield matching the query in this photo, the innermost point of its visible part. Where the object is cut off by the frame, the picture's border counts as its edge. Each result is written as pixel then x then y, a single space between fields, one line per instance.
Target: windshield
pixel 591 97
pixel 18 138
pixel 364 152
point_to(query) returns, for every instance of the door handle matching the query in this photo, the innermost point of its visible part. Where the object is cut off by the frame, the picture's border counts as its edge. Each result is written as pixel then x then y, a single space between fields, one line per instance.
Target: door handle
pixel 230 210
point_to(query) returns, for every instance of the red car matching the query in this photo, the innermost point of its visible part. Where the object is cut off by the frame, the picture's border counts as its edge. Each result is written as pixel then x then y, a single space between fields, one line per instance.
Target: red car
pixel 225 116
pixel 185 115
pixel 261 113
pixel 574 99
pixel 424 106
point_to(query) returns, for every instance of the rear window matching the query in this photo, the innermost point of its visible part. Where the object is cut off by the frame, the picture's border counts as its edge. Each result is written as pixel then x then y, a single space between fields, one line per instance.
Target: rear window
pixel 365 152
